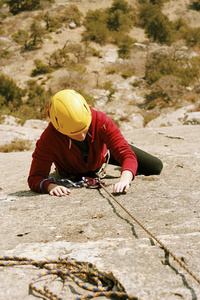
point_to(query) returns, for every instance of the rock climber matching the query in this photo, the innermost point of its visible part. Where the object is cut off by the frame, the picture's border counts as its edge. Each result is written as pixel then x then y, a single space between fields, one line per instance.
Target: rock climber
pixel 79 140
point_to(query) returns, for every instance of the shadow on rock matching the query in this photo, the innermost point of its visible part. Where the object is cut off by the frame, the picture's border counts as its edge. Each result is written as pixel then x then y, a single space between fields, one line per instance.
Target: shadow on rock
pixel 23 194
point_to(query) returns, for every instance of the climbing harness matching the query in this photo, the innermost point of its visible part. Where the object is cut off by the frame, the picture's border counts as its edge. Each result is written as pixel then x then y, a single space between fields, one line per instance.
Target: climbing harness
pixel 153 236
pixel 65 269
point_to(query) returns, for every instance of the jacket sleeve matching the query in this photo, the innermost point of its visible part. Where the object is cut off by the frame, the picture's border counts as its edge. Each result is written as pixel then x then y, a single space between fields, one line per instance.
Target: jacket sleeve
pixel 41 165
pixel 118 145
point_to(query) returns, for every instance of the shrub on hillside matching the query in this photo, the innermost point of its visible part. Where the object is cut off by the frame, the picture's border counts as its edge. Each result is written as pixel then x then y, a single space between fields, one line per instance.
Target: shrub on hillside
pixel 89 99
pixel 160 64
pixel 59 58
pixel 105 26
pixel 96 29
pixel 30 39
pixel 22 37
pixel 3 11
pixel 156 24
pixel 196 5
pixel 36 33
pixel 41 68
pixel 16 6
pixel 146 12
pixel 94 52
pixel 10 94
pixel 127 74
pixel 52 21
pixel 191 35
pixel 78 50
pixel 125 47
pixel 189 73
pixel 34 105
pixel 160 29
pixel 168 90
pixel 108 86
pixel 37 96
pixel 158 2
pixel 72 13
pixel 74 79
pixel 120 16
pixel 4 52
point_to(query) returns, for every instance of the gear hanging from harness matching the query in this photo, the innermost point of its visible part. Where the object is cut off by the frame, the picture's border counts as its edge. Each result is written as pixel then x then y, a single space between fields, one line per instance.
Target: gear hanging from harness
pixel 87 182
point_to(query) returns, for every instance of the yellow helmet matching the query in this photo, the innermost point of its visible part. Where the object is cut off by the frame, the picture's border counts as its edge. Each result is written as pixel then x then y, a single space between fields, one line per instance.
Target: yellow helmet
pixel 69 112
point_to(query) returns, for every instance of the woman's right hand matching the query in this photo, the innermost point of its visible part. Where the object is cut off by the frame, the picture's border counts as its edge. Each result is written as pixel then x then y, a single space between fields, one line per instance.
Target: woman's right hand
pixel 57 190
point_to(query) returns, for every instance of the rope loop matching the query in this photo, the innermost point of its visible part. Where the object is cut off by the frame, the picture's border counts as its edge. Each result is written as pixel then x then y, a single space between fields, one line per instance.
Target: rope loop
pixel 64 269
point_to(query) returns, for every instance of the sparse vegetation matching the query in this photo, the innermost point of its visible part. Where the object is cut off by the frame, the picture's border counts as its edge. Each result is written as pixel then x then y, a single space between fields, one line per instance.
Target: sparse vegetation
pixel 185 69
pixel 164 74
pixel 156 24
pixel 37 100
pixel 196 5
pixel 16 145
pixel 59 58
pixel 17 6
pixel 72 13
pixel 90 100
pixel 125 47
pixel 55 20
pixel 108 86
pixel 24 104
pixel 109 25
pixel 10 94
pixel 112 71
pixel 120 16
pixel 74 79
pixel 41 68
pixel 94 52
pixel 96 29
pixel 30 39
pixel 126 74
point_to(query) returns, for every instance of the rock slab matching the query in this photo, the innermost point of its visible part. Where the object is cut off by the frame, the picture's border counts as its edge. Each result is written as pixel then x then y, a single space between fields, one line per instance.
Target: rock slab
pixel 88 226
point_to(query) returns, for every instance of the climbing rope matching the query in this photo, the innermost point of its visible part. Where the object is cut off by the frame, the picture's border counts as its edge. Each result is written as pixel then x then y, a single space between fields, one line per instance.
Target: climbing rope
pixel 63 270
pixel 153 236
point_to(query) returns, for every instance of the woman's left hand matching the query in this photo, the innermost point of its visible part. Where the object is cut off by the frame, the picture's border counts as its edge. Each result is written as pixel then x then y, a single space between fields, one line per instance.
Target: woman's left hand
pixel 121 187
pixel 124 183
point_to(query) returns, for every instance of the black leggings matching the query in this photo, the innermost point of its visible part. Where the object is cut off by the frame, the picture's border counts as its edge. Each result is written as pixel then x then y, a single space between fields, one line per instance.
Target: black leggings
pixel 147 163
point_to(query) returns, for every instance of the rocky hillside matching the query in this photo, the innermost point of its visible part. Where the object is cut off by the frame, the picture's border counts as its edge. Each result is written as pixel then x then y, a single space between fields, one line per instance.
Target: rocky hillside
pixel 132 103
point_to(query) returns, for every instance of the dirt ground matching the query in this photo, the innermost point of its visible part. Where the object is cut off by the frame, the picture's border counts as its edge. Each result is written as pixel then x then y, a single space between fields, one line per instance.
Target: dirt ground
pixel 88 226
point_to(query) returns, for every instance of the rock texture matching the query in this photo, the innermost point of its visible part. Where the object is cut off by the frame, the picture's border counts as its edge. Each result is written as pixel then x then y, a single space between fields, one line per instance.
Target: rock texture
pixel 88 225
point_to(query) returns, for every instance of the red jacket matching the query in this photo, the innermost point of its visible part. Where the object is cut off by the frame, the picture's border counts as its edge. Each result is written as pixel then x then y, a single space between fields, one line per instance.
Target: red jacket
pixel 55 147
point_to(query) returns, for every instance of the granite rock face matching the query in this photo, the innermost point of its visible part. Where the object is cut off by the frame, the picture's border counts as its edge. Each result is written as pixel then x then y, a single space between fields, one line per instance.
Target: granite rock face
pixel 89 226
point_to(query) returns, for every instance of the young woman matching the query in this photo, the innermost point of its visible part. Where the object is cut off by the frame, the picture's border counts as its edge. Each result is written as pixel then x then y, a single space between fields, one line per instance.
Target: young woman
pixel 77 141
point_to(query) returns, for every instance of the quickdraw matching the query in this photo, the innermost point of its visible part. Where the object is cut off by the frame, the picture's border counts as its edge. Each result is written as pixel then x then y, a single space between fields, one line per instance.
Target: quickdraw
pixel 87 182
pixel 73 270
